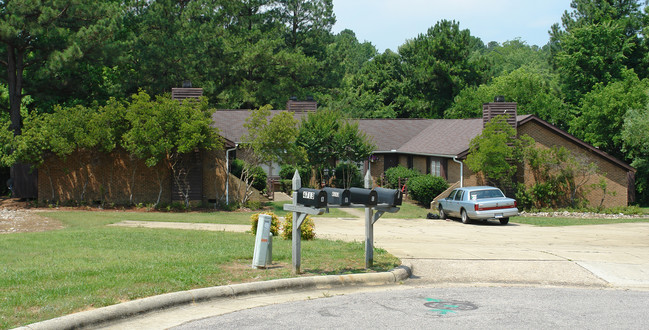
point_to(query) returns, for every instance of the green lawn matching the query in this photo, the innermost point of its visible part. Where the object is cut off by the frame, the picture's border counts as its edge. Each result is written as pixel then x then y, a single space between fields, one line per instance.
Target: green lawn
pixel 278 208
pixel 409 211
pixel 89 265
pixel 555 221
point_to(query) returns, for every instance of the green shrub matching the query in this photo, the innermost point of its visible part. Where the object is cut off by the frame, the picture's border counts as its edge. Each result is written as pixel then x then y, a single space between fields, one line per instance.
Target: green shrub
pixel 424 188
pixel 524 197
pixel 253 205
pixel 286 186
pixel 274 223
pixel 393 174
pixel 287 172
pixel 627 210
pixel 307 230
pixel 257 173
pixel 348 173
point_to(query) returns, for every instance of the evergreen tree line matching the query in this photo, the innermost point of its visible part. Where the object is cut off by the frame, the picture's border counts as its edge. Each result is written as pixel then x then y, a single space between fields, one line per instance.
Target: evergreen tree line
pixel 589 79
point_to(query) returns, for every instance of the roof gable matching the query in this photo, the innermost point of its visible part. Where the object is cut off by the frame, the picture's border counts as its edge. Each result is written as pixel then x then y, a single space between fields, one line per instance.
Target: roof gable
pixel 582 144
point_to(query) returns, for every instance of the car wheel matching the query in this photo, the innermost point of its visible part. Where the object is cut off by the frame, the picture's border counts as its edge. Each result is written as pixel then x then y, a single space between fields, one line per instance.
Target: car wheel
pixel 465 217
pixel 442 214
pixel 504 221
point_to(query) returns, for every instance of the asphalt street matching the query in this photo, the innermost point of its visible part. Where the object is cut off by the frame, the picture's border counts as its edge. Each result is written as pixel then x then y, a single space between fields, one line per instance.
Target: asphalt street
pixel 513 276
pixel 449 308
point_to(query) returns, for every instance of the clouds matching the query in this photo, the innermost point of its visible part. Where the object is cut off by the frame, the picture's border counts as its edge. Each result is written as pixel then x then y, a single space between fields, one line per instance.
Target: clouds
pixel 388 23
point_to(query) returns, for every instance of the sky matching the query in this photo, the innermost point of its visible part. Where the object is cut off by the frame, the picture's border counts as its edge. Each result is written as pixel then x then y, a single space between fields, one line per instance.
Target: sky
pixel 389 23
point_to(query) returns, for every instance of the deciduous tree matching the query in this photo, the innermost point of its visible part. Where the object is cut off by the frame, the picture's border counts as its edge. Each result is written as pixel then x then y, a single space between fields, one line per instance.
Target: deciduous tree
pixel 439 65
pixel 603 111
pixel 163 130
pixel 497 151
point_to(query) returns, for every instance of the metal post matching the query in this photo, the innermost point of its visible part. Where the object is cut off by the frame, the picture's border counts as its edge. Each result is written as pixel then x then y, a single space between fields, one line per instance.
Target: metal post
pixel 369 228
pixel 297 243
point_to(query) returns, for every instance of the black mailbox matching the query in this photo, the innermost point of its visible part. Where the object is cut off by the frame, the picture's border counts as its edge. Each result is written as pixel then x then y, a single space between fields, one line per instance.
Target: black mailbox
pixel 392 197
pixel 312 197
pixel 336 196
pixel 363 196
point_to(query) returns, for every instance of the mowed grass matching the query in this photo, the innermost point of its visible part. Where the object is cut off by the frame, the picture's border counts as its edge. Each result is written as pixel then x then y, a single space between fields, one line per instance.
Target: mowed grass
pixel 278 209
pixel 89 265
pixel 556 221
pixel 408 210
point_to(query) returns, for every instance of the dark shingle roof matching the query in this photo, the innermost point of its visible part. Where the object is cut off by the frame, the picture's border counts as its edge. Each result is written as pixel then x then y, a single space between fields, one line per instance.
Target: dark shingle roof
pixel 444 137
pixel 391 134
pixel 230 122
pixel 434 137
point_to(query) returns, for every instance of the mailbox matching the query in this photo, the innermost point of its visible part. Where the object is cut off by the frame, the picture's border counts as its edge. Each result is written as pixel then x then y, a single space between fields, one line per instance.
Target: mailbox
pixel 392 197
pixel 363 196
pixel 312 197
pixel 336 196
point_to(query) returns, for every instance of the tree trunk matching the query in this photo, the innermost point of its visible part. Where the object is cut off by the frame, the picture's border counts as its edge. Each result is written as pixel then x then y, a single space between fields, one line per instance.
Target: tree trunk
pixel 15 68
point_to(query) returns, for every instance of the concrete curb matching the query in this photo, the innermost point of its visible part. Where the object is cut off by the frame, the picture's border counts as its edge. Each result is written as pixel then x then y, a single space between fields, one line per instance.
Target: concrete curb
pixel 105 315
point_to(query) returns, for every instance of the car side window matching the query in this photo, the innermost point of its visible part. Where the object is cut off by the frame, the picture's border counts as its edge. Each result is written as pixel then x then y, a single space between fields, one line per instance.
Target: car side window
pixel 452 195
pixel 458 196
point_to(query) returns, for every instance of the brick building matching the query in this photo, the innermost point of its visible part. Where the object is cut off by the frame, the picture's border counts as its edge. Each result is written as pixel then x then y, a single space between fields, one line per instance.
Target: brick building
pixel 439 147
pixel 432 146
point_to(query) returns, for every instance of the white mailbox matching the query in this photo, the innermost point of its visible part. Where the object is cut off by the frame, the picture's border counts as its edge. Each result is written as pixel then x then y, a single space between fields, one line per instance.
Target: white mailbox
pixel 263 243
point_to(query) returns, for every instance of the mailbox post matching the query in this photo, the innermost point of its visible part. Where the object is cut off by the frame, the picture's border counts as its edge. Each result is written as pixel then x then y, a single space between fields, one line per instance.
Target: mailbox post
pixel 313 201
pixel 387 200
pixel 369 227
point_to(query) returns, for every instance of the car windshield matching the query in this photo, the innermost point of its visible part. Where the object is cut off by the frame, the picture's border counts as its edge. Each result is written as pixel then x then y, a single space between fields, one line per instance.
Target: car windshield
pixel 482 194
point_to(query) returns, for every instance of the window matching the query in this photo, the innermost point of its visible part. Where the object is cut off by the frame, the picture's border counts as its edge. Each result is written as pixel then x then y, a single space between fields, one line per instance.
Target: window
pixel 452 195
pixel 481 194
pixel 410 161
pixel 458 196
pixel 435 167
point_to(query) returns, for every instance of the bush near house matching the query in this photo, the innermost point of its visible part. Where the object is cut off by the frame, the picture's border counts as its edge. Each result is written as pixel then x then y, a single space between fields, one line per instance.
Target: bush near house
pixel 347 175
pixel 287 172
pixel 259 175
pixel 392 176
pixel 424 188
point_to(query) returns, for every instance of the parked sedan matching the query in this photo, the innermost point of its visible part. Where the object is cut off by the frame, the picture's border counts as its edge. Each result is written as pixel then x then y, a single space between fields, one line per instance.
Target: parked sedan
pixel 478 203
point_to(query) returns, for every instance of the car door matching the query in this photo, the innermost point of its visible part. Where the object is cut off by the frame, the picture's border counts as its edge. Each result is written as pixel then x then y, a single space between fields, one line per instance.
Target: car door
pixel 448 202
pixel 457 203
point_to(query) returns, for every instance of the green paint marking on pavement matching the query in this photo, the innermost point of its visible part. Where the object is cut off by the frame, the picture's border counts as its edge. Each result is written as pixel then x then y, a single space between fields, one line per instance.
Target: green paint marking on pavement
pixel 443 311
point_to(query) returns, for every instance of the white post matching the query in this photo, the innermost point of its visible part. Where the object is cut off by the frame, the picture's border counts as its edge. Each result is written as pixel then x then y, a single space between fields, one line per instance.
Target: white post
pixel 297 243
pixel 369 227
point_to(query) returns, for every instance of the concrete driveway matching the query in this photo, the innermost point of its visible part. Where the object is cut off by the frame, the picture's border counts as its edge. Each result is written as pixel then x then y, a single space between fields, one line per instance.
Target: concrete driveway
pixel 442 251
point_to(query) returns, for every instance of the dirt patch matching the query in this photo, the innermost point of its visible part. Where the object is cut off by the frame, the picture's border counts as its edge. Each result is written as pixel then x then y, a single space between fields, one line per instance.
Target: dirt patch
pixel 241 271
pixel 15 218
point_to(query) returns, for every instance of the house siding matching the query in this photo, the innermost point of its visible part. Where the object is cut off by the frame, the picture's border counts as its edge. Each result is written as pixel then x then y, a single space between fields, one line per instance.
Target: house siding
pixel 108 177
pixel 115 177
pixel 614 176
pixel 419 163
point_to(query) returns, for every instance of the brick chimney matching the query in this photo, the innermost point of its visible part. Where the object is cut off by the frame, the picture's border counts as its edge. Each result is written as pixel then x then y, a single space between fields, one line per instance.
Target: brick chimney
pixel 308 105
pixel 186 92
pixel 497 108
